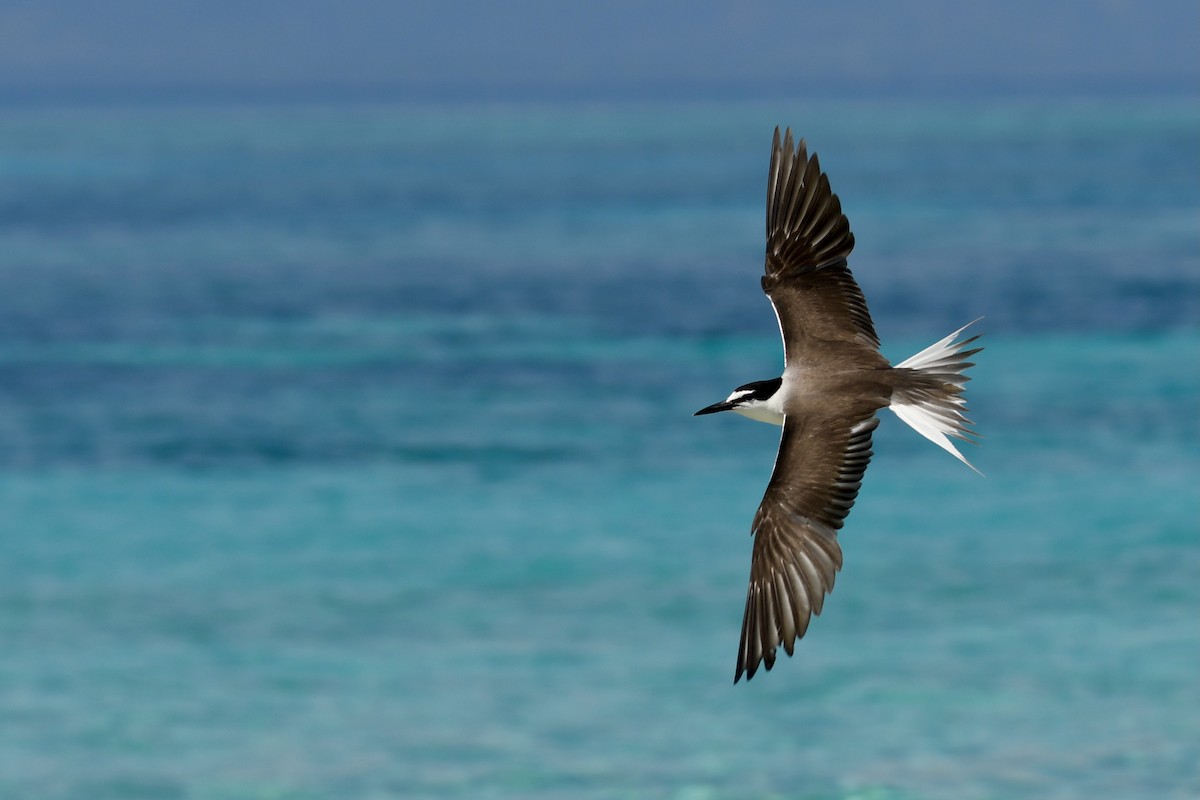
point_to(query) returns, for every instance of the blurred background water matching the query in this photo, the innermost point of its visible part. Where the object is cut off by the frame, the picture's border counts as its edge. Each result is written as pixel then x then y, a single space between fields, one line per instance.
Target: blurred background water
pixel 347 451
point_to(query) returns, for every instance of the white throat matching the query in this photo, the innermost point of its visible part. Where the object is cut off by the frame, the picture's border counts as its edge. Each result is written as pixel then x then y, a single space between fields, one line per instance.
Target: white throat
pixel 770 411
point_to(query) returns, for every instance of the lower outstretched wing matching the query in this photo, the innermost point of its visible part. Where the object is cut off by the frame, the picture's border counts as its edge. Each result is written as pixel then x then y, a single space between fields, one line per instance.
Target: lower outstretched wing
pixel 796 555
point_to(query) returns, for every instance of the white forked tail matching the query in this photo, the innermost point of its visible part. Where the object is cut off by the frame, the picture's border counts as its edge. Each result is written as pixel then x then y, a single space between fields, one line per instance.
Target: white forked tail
pixel 930 399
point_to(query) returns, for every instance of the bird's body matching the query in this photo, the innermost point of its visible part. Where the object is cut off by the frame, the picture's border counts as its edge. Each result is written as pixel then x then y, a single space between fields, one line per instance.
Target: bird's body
pixel 833 383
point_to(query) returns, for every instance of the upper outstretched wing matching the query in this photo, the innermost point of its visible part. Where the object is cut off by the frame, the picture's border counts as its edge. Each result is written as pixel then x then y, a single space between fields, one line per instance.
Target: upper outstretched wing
pixel 816 479
pixel 808 239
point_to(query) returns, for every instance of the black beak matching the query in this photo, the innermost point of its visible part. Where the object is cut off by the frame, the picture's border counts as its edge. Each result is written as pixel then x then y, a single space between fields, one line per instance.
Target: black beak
pixel 724 405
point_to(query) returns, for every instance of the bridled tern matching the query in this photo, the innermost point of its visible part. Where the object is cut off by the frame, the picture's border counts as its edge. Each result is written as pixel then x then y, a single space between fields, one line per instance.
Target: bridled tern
pixel 834 381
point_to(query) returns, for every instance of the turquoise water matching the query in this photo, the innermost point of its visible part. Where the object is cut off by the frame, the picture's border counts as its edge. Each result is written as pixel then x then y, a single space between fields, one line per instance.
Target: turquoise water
pixel 348 452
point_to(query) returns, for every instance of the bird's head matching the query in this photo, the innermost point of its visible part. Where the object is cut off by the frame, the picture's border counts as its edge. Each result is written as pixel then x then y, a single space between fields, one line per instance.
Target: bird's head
pixel 751 400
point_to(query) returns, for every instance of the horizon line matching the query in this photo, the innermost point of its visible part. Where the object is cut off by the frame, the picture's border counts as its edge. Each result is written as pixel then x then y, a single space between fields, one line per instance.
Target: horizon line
pixel 183 94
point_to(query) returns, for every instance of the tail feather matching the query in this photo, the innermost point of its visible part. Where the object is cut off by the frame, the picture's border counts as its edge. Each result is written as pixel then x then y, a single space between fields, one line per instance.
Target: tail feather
pixel 930 396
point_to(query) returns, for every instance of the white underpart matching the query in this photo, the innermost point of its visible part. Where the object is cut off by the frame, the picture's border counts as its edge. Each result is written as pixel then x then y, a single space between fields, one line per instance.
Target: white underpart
pixel 761 413
pixel 929 420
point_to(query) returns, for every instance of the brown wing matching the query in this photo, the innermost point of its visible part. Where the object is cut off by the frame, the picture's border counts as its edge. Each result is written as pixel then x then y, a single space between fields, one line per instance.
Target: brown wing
pixel 796 556
pixel 808 239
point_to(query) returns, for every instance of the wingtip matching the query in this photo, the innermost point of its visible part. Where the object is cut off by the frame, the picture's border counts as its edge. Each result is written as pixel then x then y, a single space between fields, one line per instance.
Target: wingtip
pixel 788 139
pixel 744 670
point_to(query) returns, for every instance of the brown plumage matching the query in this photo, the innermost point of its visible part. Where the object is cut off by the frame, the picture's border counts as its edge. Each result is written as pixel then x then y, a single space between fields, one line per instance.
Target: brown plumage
pixel 834 381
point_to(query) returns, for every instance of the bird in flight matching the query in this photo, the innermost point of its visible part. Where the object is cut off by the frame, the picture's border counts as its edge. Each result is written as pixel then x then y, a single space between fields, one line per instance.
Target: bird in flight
pixel 834 381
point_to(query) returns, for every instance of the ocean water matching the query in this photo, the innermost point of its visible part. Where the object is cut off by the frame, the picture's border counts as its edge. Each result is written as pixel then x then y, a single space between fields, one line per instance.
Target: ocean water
pixel 347 452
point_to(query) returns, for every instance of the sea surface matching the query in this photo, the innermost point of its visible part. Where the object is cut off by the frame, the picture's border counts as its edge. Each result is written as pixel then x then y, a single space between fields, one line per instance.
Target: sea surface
pixel 347 451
